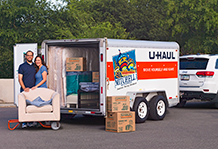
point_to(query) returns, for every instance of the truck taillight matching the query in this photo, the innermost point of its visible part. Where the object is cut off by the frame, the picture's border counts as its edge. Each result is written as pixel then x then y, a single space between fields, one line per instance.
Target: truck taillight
pixel 205 73
pixel 206 90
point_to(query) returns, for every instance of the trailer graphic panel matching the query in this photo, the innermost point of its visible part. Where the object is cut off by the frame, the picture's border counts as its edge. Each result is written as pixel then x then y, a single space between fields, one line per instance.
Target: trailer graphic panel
pixel 124 68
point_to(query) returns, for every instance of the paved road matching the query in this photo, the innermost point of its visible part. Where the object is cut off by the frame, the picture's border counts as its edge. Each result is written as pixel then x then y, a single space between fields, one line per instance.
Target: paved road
pixel 192 127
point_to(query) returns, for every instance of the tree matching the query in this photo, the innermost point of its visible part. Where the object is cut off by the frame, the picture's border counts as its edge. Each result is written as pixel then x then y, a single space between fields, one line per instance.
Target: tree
pixel 92 24
pixel 27 21
pixel 140 18
pixel 194 24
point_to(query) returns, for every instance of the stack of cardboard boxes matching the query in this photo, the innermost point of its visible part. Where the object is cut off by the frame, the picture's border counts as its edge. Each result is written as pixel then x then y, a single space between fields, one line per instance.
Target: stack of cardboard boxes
pixel 119 117
pixel 75 64
pixel 76 72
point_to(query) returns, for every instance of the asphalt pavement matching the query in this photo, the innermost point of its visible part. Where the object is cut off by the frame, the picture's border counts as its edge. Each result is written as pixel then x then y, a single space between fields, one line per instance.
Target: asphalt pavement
pixel 193 127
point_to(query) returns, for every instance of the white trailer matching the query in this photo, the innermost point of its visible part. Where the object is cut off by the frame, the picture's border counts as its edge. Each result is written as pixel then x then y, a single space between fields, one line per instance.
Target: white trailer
pixel 147 71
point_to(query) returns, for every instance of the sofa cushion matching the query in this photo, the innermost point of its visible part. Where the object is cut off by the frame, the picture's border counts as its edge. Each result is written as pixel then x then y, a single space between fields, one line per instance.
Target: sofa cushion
pixel 43 109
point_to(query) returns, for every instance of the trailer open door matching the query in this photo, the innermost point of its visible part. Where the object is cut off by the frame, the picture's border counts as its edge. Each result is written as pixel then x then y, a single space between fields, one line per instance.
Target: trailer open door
pixel 103 75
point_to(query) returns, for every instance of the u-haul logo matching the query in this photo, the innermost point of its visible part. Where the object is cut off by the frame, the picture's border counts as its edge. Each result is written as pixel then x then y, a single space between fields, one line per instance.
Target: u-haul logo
pixel 161 55
pixel 125 72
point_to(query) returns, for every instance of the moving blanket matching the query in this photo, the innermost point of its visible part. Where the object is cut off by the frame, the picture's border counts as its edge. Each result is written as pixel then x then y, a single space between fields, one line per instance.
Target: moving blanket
pixel 89 86
pixel 39 102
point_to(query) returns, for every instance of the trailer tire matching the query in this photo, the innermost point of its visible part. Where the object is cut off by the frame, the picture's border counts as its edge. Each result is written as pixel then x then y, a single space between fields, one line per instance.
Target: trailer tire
pixel 158 107
pixel 141 108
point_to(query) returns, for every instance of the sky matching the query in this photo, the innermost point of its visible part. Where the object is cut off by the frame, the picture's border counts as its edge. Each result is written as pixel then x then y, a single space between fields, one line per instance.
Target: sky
pixel 56 1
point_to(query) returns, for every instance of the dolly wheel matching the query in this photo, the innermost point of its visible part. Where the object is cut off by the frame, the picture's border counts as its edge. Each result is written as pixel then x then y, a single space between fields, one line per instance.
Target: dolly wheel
pixel 55 125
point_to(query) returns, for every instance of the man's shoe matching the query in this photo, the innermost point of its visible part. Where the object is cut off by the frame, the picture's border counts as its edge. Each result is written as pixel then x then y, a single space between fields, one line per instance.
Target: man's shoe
pixel 24 125
pixel 31 124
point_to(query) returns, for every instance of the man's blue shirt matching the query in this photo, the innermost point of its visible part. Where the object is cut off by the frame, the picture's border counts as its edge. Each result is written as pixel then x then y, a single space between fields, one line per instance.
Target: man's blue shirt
pixel 28 71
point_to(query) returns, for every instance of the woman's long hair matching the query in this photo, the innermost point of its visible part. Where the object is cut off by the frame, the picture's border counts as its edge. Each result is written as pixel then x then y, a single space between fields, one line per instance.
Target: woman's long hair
pixel 43 63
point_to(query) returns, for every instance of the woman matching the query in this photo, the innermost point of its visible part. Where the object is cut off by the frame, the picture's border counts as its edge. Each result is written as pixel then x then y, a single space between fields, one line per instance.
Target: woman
pixel 41 72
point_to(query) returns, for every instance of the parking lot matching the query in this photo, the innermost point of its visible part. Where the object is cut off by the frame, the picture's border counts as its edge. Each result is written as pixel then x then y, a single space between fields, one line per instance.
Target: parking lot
pixel 194 126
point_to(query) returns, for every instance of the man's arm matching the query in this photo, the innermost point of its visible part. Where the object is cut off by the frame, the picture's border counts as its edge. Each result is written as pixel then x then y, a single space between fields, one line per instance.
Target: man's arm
pixel 20 79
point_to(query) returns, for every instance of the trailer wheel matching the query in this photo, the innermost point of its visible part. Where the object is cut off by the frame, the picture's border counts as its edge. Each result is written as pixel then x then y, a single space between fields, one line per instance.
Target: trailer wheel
pixel 141 108
pixel 158 107
pixel 55 125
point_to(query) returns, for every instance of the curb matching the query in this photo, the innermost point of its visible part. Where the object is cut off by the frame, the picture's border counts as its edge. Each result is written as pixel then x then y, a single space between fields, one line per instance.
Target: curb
pixel 7 105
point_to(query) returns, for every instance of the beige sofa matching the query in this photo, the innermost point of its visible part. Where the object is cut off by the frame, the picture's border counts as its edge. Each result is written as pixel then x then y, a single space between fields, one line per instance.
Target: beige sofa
pixel 28 113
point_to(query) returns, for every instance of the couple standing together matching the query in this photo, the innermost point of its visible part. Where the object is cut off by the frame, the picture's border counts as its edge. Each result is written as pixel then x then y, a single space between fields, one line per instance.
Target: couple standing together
pixel 32 75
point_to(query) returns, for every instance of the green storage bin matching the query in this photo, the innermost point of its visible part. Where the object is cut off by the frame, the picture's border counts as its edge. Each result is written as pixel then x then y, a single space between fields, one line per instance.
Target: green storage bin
pixel 74 78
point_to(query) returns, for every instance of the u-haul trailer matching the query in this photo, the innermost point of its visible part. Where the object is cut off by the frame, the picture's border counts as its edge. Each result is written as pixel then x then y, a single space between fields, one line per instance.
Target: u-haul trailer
pixel 147 71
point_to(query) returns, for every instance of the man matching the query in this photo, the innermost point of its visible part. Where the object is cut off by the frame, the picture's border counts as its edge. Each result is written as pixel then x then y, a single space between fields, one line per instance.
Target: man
pixel 26 73
pixel 26 77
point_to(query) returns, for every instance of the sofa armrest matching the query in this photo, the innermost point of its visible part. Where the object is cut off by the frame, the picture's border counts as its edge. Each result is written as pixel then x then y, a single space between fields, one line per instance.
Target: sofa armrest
pixel 56 105
pixel 21 106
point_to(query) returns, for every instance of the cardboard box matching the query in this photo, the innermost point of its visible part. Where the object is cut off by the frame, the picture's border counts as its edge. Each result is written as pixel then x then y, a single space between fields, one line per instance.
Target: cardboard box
pixel 118 103
pixel 95 76
pixel 75 64
pixel 120 121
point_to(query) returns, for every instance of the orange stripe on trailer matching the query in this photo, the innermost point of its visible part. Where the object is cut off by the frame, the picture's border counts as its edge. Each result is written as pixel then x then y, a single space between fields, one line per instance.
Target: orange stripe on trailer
pixel 150 70
pixel 157 70
pixel 110 71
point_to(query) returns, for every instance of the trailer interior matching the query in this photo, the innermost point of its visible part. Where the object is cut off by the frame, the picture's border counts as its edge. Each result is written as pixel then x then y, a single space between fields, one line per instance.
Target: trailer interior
pixel 68 83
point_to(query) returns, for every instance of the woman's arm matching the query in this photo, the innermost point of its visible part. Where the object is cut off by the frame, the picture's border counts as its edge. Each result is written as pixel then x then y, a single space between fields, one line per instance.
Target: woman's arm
pixel 44 78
